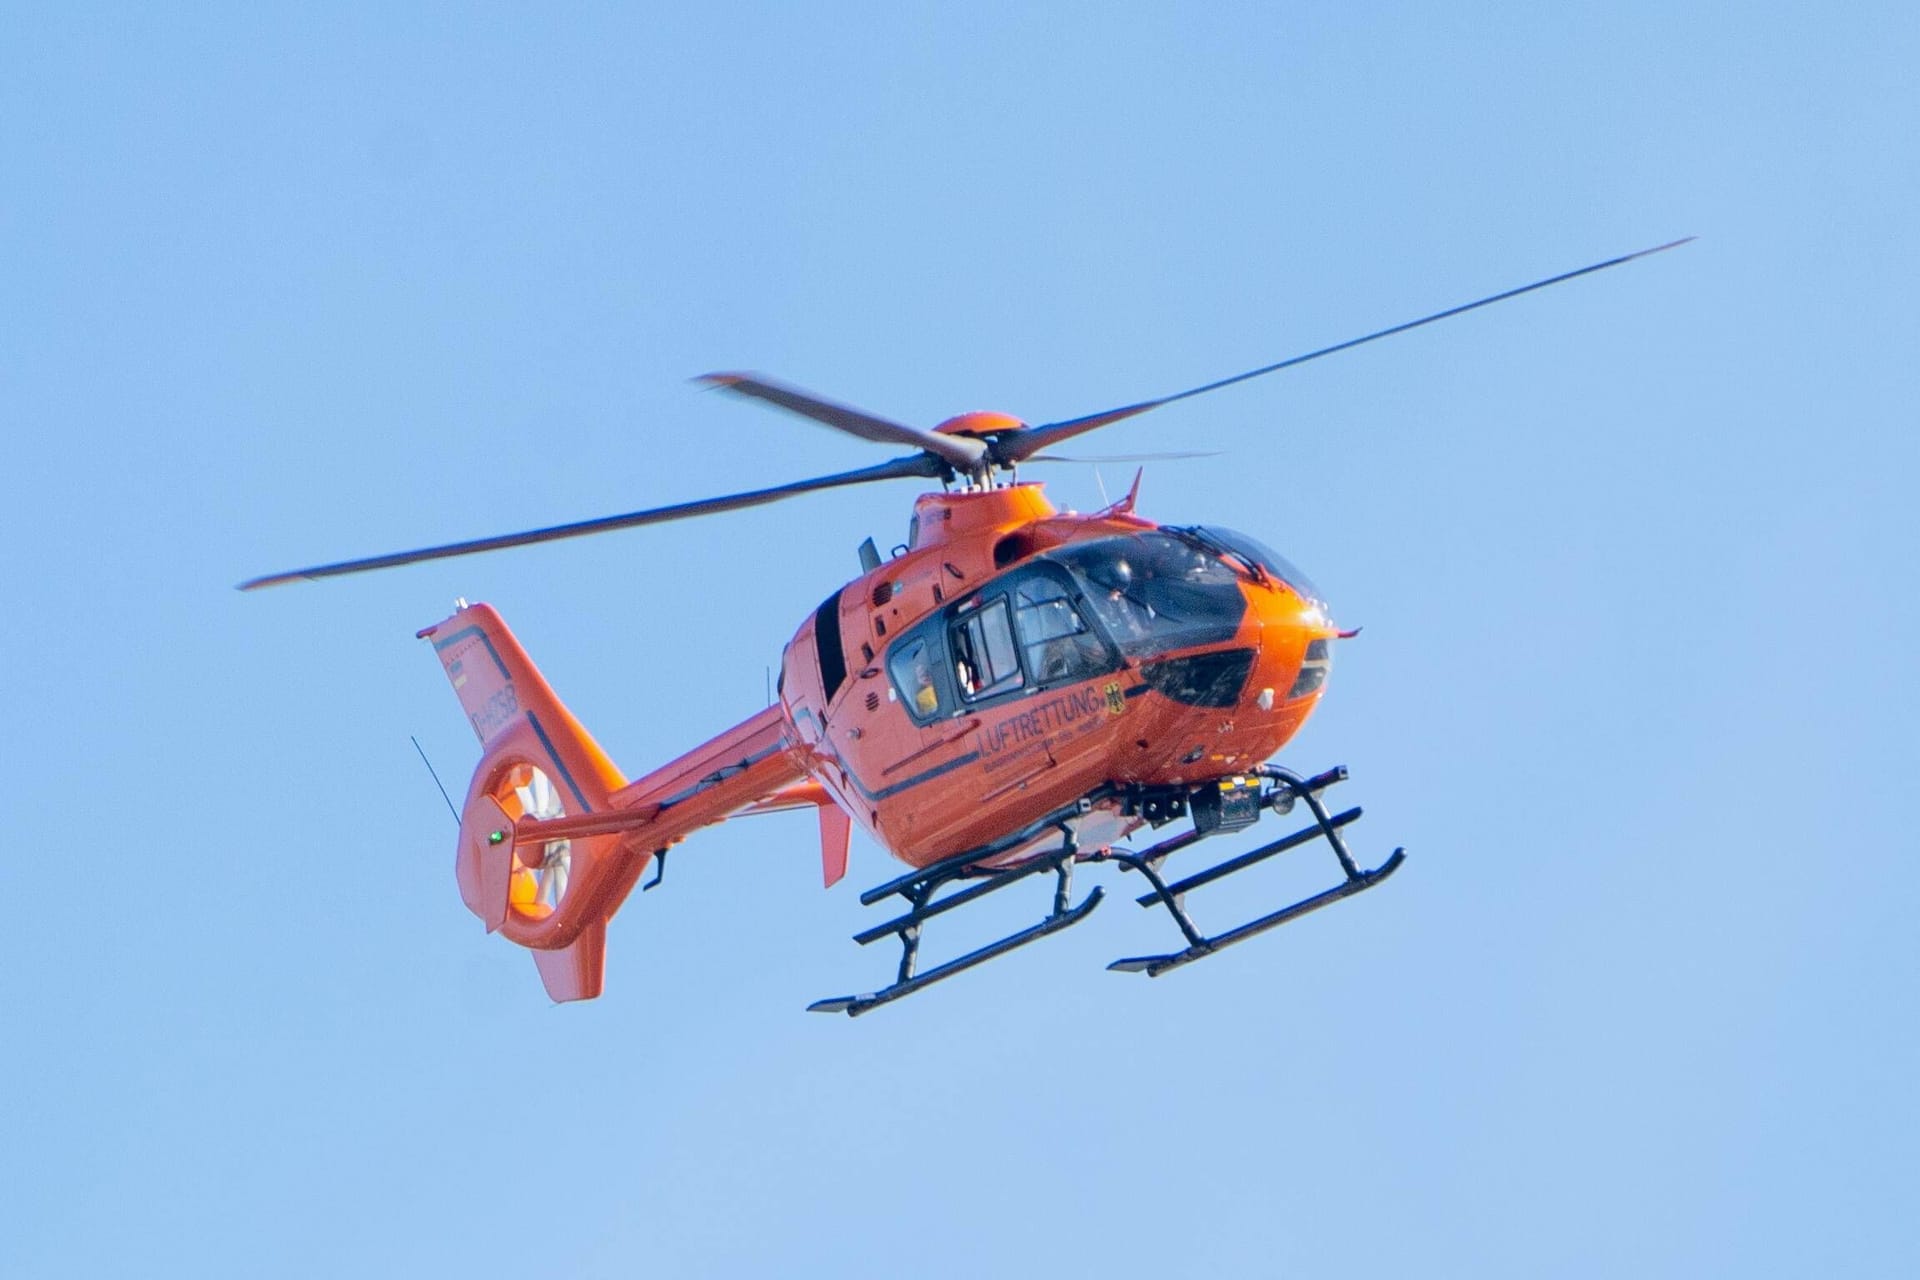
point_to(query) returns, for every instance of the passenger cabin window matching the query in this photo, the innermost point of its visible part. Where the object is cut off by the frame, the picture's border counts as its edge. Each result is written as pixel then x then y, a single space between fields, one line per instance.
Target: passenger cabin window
pixel 911 666
pixel 1058 644
pixel 984 658
pixel 1036 630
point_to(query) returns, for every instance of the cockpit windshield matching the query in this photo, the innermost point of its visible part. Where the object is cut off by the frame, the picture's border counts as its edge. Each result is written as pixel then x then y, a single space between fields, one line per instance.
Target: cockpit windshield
pixel 1155 592
pixel 1256 552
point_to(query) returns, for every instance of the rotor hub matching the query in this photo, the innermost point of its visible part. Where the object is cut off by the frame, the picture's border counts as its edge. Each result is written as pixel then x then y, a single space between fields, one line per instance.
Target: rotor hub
pixel 980 424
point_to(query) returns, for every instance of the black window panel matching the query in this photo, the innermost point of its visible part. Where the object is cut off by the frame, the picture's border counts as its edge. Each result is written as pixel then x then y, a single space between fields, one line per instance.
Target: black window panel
pixel 826 641
pixel 1311 677
pixel 1204 679
pixel 1257 552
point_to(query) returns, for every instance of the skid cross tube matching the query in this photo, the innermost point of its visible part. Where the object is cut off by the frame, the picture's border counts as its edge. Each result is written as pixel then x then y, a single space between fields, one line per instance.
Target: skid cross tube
pixel 918 889
pixel 1288 788
pixel 1245 860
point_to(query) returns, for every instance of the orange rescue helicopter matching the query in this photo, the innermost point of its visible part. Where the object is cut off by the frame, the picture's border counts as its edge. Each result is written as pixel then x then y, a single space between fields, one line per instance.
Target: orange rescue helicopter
pixel 1015 692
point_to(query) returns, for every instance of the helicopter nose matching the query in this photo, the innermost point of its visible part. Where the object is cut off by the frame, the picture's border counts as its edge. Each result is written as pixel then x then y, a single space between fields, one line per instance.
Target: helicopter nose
pixel 1296 653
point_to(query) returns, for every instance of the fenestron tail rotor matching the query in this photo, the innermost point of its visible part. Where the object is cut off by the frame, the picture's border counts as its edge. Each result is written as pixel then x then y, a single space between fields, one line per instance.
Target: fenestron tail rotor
pixel 539 881
pixel 969 448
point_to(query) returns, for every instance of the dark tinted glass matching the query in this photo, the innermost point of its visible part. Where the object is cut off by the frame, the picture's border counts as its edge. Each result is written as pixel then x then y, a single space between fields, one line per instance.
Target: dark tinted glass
pixel 1258 552
pixel 826 639
pixel 1154 592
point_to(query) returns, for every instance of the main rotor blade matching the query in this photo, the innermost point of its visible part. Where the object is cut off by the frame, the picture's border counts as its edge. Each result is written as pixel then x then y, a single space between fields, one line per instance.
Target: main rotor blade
pixel 1015 447
pixel 1098 458
pixel 915 465
pixel 960 452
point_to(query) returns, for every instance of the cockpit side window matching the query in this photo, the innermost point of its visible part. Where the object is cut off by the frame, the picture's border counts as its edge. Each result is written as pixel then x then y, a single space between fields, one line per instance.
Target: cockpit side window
pixel 1054 636
pixel 984 658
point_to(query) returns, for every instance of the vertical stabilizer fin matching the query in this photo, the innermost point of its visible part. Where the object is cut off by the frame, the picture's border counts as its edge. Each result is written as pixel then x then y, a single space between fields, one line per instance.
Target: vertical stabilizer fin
pixel 575 972
pixel 836 835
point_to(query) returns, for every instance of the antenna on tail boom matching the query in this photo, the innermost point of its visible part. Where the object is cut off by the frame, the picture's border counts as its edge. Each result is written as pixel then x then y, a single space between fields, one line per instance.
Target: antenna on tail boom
pixel 432 773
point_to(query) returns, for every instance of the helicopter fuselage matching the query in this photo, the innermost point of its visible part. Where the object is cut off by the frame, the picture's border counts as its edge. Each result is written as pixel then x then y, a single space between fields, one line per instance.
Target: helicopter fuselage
pixel 1014 663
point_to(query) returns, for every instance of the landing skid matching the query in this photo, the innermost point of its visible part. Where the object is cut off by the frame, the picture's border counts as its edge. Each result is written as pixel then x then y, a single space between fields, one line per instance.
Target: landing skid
pixel 1227 806
pixel 1284 788
pixel 918 888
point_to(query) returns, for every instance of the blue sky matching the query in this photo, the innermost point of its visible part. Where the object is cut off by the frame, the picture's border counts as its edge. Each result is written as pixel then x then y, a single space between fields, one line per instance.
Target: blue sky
pixel 289 284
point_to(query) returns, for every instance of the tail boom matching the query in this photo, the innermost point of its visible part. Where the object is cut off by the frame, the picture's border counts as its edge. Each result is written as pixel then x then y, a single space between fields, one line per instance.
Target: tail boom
pixel 552 836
